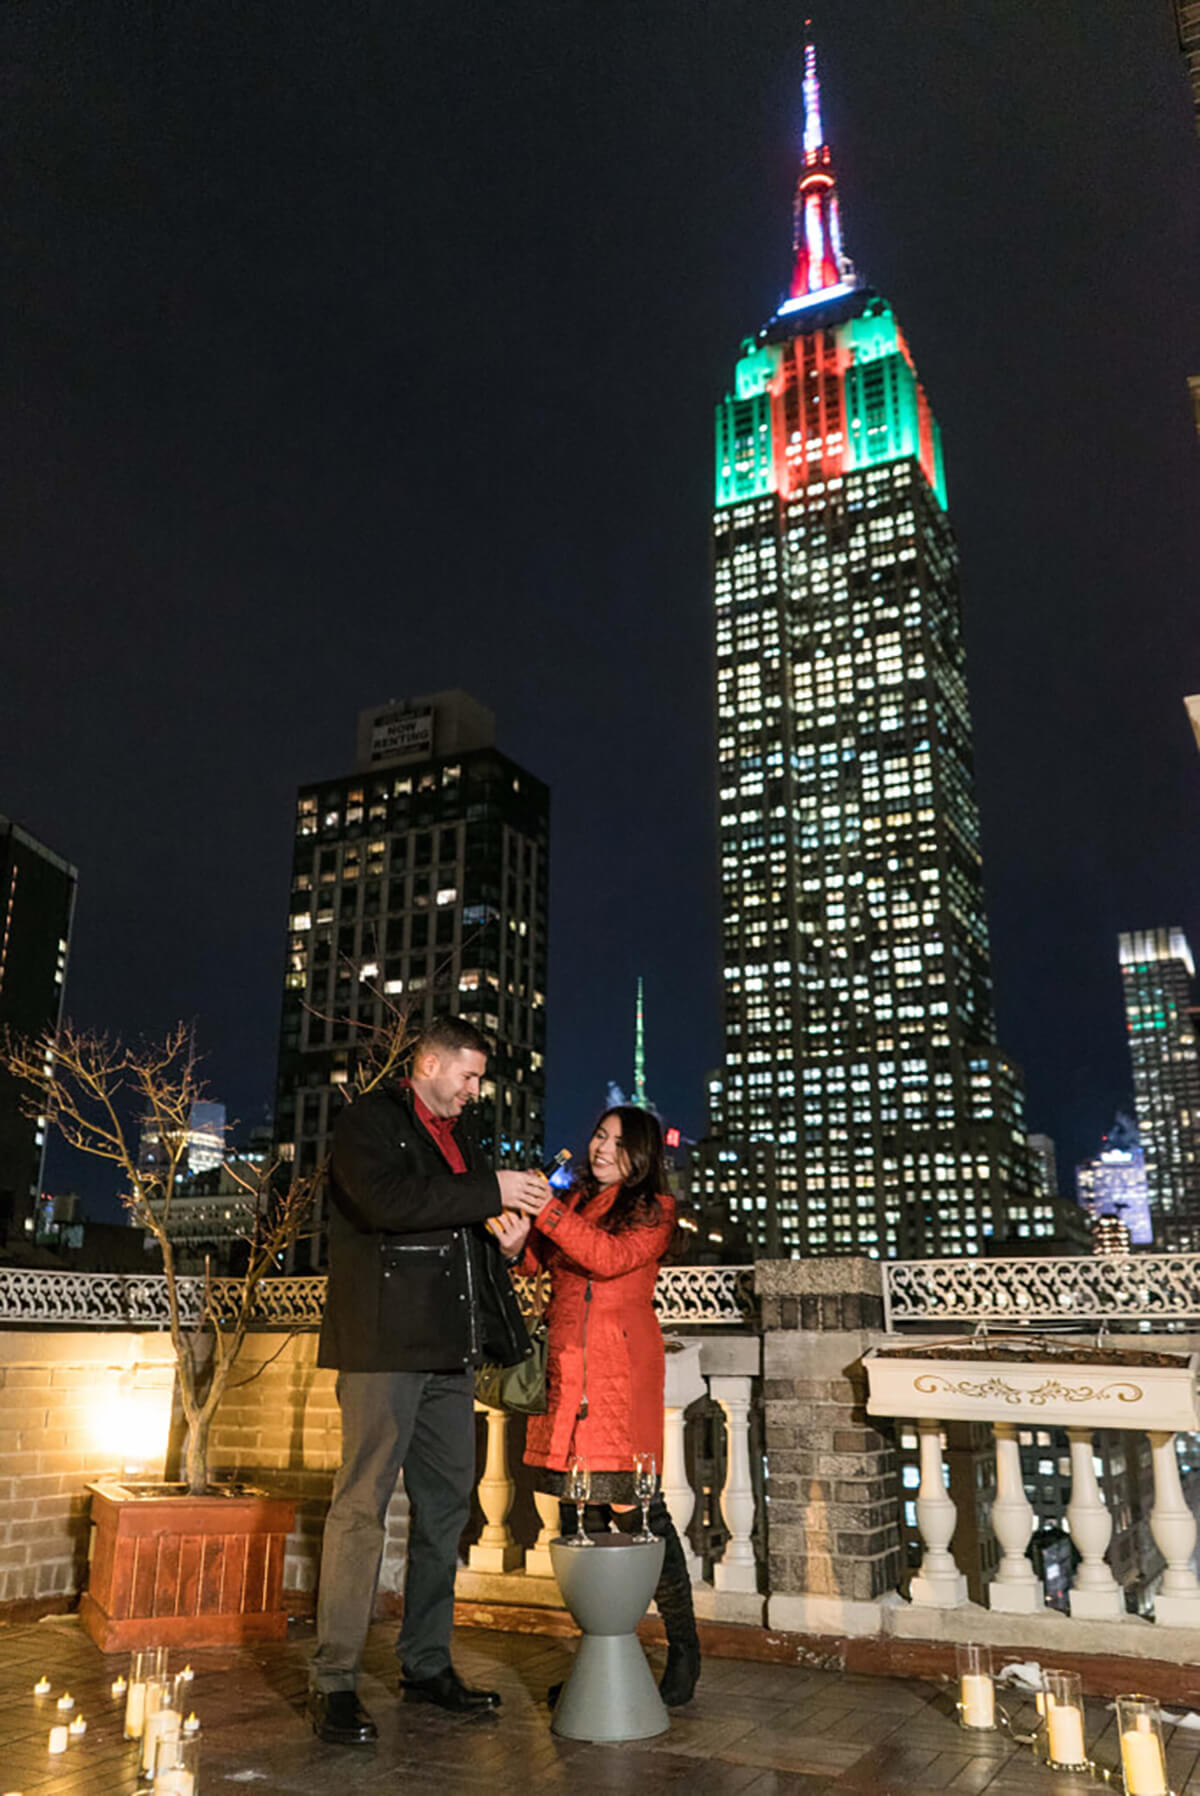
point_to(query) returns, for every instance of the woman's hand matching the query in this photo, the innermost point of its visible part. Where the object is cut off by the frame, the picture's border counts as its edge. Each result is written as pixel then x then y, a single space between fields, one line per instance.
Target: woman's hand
pixel 511 1230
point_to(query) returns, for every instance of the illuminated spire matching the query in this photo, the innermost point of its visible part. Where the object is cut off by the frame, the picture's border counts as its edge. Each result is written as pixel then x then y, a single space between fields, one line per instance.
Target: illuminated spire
pixel 820 261
pixel 639 1054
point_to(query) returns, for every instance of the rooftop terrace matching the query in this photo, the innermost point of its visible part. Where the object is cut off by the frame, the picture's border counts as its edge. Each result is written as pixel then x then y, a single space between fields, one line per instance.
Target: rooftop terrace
pixel 752 1729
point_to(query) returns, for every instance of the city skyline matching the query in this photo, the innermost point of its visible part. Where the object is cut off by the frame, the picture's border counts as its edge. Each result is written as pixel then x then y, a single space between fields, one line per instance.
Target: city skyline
pixel 256 388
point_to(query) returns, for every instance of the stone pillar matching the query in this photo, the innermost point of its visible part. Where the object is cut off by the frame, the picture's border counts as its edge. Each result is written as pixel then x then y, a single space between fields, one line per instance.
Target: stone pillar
pixel 537 1559
pixel 1095 1594
pixel 495 1550
pixel 1173 1526
pixel 834 1512
pixel 1015 1588
pixel 736 1570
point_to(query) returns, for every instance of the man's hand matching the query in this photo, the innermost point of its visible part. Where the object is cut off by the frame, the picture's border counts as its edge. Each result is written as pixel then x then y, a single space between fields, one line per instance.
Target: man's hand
pixel 511 1230
pixel 523 1191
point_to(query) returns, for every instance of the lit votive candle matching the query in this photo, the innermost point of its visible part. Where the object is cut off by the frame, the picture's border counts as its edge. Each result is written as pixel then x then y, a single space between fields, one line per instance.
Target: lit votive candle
pixel 187 1674
pixel 976 1691
pixel 1065 1726
pixel 1064 1719
pixel 58 1739
pixel 42 1687
pixel 78 1726
pixel 135 1711
pixel 119 1687
pixel 66 1700
pixel 192 1724
pixel 1143 1760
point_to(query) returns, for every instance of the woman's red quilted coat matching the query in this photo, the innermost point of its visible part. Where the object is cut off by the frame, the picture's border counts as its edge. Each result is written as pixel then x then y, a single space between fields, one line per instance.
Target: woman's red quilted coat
pixel 623 1374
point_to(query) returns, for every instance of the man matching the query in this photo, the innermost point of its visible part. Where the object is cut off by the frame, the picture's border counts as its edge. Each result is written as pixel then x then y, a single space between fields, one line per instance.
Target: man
pixel 418 1295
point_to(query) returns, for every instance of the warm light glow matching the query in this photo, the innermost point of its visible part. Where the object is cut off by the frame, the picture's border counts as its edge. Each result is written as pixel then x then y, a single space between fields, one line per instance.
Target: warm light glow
pixel 131 1421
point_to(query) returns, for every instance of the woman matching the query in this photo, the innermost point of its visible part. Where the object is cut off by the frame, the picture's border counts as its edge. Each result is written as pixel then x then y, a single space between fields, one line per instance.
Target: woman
pixel 602 1243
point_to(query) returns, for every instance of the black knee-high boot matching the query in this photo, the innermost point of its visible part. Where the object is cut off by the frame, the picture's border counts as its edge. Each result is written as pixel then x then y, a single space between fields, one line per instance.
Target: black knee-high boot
pixel 673 1595
pixel 596 1517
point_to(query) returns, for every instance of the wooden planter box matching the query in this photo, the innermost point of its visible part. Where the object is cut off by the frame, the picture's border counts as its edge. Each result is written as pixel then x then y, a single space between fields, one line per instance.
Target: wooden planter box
pixel 175 1570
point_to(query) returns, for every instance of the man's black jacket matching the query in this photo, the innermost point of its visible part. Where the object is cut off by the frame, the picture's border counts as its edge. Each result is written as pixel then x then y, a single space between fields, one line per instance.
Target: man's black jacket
pixel 416 1282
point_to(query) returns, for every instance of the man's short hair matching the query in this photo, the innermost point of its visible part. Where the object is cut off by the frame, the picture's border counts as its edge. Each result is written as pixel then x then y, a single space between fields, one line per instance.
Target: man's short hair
pixel 449 1035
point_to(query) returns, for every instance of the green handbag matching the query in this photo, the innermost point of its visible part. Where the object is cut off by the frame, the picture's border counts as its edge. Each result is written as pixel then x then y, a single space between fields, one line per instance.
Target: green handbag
pixel 520 1388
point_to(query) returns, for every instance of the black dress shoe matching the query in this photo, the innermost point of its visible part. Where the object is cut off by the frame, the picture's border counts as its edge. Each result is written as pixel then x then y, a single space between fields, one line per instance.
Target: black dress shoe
pixel 339 1717
pixel 447 1690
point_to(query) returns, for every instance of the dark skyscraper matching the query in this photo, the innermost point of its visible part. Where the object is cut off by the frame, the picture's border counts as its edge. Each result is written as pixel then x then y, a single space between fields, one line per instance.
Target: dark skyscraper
pixel 420 879
pixel 37 903
pixel 858 1014
pixel 1157 973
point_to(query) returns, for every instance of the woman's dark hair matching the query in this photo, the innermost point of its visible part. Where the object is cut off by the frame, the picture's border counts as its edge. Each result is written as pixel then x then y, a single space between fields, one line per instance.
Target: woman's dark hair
pixel 636 1205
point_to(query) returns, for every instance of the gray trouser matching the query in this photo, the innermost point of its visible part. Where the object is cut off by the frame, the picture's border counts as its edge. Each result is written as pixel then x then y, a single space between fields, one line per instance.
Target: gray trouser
pixel 425 1423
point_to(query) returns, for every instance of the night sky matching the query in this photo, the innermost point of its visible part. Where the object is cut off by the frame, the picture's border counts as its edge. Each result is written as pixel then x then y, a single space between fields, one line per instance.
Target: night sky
pixel 358 350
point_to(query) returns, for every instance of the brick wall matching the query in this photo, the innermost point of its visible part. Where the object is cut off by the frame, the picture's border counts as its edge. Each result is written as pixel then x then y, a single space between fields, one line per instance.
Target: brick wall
pixel 72 1407
pixel 833 1476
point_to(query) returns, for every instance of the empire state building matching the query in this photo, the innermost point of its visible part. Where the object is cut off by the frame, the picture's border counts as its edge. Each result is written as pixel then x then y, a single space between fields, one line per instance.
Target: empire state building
pixel 860 1048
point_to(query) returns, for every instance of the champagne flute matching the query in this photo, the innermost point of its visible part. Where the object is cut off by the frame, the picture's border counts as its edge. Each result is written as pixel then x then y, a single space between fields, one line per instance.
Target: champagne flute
pixel 579 1489
pixel 645 1483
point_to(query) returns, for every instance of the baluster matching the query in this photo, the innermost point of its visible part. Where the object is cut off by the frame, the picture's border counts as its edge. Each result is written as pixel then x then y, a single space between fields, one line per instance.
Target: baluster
pixel 1174 1529
pixel 939 1584
pixel 736 1569
pixel 1015 1588
pixel 537 1559
pixel 495 1550
pixel 678 1494
pixel 1095 1594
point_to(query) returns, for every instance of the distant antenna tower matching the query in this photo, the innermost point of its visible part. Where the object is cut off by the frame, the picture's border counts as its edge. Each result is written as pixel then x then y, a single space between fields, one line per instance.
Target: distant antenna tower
pixel 639 1053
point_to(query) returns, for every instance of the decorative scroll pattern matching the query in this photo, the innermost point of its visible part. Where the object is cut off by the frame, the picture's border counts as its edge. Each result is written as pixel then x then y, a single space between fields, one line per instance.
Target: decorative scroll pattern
pixel 1049 1391
pixel 1087 1289
pixel 685 1294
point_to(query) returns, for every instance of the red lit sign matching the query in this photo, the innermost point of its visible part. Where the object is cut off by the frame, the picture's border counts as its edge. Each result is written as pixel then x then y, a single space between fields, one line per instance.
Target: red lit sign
pixel 672 1138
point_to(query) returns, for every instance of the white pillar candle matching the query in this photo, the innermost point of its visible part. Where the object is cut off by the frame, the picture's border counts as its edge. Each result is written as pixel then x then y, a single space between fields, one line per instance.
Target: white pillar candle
pixel 162 1725
pixel 58 1739
pixel 978 1700
pixel 176 1782
pixel 1065 1725
pixel 135 1711
pixel 1142 1763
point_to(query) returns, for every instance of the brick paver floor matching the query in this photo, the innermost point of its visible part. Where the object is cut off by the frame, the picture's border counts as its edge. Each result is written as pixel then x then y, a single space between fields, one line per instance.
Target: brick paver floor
pixel 752 1730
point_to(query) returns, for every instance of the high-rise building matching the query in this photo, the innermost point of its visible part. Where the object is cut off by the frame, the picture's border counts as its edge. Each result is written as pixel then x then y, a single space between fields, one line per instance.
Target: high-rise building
pixel 1157 973
pixel 37 904
pixel 420 881
pixel 205 1148
pixel 859 1034
pixel 1043 1166
pixel 1113 1184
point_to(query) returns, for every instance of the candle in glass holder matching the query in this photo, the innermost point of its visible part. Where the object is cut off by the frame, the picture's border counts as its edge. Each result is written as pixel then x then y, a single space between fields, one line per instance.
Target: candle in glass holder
pixel 976 1690
pixel 144 1663
pixel 1143 1757
pixel 164 1718
pixel 177 1766
pixel 58 1739
pixel 1064 1719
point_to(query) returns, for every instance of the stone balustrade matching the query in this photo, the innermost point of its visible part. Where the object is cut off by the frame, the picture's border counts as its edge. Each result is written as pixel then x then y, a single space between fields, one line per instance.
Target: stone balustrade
pixel 774 1390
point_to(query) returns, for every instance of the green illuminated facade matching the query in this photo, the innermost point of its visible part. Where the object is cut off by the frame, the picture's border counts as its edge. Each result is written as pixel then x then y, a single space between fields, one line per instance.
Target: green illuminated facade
pixel 859 1030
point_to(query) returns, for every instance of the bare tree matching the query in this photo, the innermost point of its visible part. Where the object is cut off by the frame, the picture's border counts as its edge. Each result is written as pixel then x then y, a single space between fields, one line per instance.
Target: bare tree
pixel 101 1094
